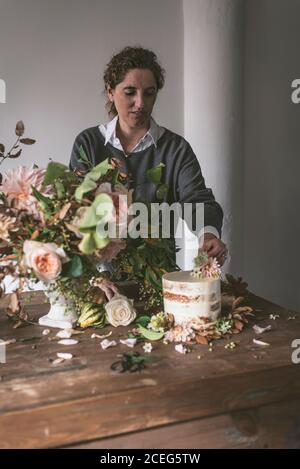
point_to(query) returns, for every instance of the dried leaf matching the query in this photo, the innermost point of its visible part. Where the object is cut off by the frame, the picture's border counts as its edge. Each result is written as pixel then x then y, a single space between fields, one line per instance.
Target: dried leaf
pixel 201 340
pixel 15 155
pixel 238 324
pixel 35 234
pixel 238 301
pixel 27 141
pixel 20 128
pixel 63 211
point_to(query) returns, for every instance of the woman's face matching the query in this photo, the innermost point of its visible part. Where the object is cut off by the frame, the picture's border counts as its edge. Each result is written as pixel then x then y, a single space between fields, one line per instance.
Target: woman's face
pixel 134 97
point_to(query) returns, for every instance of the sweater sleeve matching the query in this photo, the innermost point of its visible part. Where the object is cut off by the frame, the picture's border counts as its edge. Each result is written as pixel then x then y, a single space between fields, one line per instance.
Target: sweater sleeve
pixel 191 188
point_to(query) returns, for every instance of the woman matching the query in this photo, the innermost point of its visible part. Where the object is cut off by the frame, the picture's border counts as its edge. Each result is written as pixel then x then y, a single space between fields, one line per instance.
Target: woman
pixel 132 80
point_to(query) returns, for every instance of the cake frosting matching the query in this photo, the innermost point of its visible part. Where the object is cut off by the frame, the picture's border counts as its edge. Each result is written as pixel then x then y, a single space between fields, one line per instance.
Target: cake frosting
pixel 187 297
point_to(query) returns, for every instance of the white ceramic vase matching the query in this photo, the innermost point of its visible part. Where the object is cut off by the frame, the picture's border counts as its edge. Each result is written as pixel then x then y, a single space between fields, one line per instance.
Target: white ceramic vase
pixel 62 314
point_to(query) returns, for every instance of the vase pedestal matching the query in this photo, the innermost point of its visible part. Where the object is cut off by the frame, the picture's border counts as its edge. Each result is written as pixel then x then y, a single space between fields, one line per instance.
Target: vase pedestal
pixel 61 315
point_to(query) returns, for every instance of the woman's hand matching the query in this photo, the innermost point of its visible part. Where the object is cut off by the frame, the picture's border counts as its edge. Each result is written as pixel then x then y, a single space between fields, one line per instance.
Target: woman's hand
pixel 214 247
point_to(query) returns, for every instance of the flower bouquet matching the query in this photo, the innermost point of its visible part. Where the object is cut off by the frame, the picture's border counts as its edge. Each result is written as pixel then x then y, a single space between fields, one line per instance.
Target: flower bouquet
pixel 57 226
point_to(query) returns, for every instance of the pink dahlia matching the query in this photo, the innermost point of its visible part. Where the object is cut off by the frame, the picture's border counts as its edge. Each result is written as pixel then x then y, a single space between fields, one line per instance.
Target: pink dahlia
pixel 16 186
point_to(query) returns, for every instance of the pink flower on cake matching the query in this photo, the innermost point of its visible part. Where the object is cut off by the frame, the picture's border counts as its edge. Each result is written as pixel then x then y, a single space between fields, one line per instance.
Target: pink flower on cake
pixel 45 259
pixel 17 188
pixel 206 267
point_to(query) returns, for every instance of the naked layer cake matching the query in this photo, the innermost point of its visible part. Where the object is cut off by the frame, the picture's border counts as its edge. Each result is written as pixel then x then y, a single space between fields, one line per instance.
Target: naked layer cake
pixel 187 297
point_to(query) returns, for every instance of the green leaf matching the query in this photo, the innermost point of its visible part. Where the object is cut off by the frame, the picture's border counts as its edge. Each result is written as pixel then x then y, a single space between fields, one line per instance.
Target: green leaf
pixel 100 170
pixel 101 242
pixel 154 174
pixel 83 155
pixel 90 179
pixel 60 190
pixel 162 190
pixel 86 186
pixel 87 245
pixel 74 268
pixel 102 207
pixel 53 172
pixel 143 320
pixel 43 200
pixel 150 335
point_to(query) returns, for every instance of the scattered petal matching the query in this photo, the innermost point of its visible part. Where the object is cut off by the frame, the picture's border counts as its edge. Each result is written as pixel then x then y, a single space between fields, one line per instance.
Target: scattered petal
pixel 129 342
pixel 274 316
pixel 180 348
pixel 57 361
pixel 64 334
pixel 261 330
pixel 68 341
pixel 7 342
pixel 260 342
pixel 103 336
pixel 64 356
pixel 108 343
pixel 46 331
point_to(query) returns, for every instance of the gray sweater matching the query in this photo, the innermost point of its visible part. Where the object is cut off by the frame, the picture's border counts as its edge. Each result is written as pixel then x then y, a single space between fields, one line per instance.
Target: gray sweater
pixel 182 172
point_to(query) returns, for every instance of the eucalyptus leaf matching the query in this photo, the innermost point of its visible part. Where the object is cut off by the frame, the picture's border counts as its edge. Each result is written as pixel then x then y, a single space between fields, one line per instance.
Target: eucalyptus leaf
pixel 154 174
pixel 74 268
pixel 150 335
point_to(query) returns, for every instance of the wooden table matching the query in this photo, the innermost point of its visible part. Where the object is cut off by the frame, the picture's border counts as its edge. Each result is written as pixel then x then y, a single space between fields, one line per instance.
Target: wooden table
pixel 240 398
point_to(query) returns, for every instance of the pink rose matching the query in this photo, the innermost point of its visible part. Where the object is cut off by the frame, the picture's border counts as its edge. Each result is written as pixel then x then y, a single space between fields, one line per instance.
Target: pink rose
pixel 45 259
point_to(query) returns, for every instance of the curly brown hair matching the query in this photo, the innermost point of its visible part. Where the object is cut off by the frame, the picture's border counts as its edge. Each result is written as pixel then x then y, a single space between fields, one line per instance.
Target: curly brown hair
pixel 128 59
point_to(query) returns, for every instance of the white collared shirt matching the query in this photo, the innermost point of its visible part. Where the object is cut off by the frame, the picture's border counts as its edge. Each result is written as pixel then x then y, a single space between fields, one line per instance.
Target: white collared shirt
pixel 151 136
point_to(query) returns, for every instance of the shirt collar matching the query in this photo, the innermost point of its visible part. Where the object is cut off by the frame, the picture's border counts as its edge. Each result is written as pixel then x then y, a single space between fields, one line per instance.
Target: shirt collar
pixel 110 134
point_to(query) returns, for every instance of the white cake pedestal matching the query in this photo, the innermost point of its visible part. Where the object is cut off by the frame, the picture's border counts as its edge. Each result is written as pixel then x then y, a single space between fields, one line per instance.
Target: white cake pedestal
pixel 62 314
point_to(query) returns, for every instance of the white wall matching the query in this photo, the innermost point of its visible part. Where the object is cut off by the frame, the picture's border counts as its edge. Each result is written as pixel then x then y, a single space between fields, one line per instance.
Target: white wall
pixel 52 56
pixel 213 106
pixel 272 151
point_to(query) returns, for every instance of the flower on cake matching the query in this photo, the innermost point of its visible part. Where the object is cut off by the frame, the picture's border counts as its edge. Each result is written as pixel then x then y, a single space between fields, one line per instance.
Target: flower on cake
pixel 206 267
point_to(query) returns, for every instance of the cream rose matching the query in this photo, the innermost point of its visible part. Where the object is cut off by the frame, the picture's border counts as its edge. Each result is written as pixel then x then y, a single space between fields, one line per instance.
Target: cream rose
pixel 45 259
pixel 120 311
